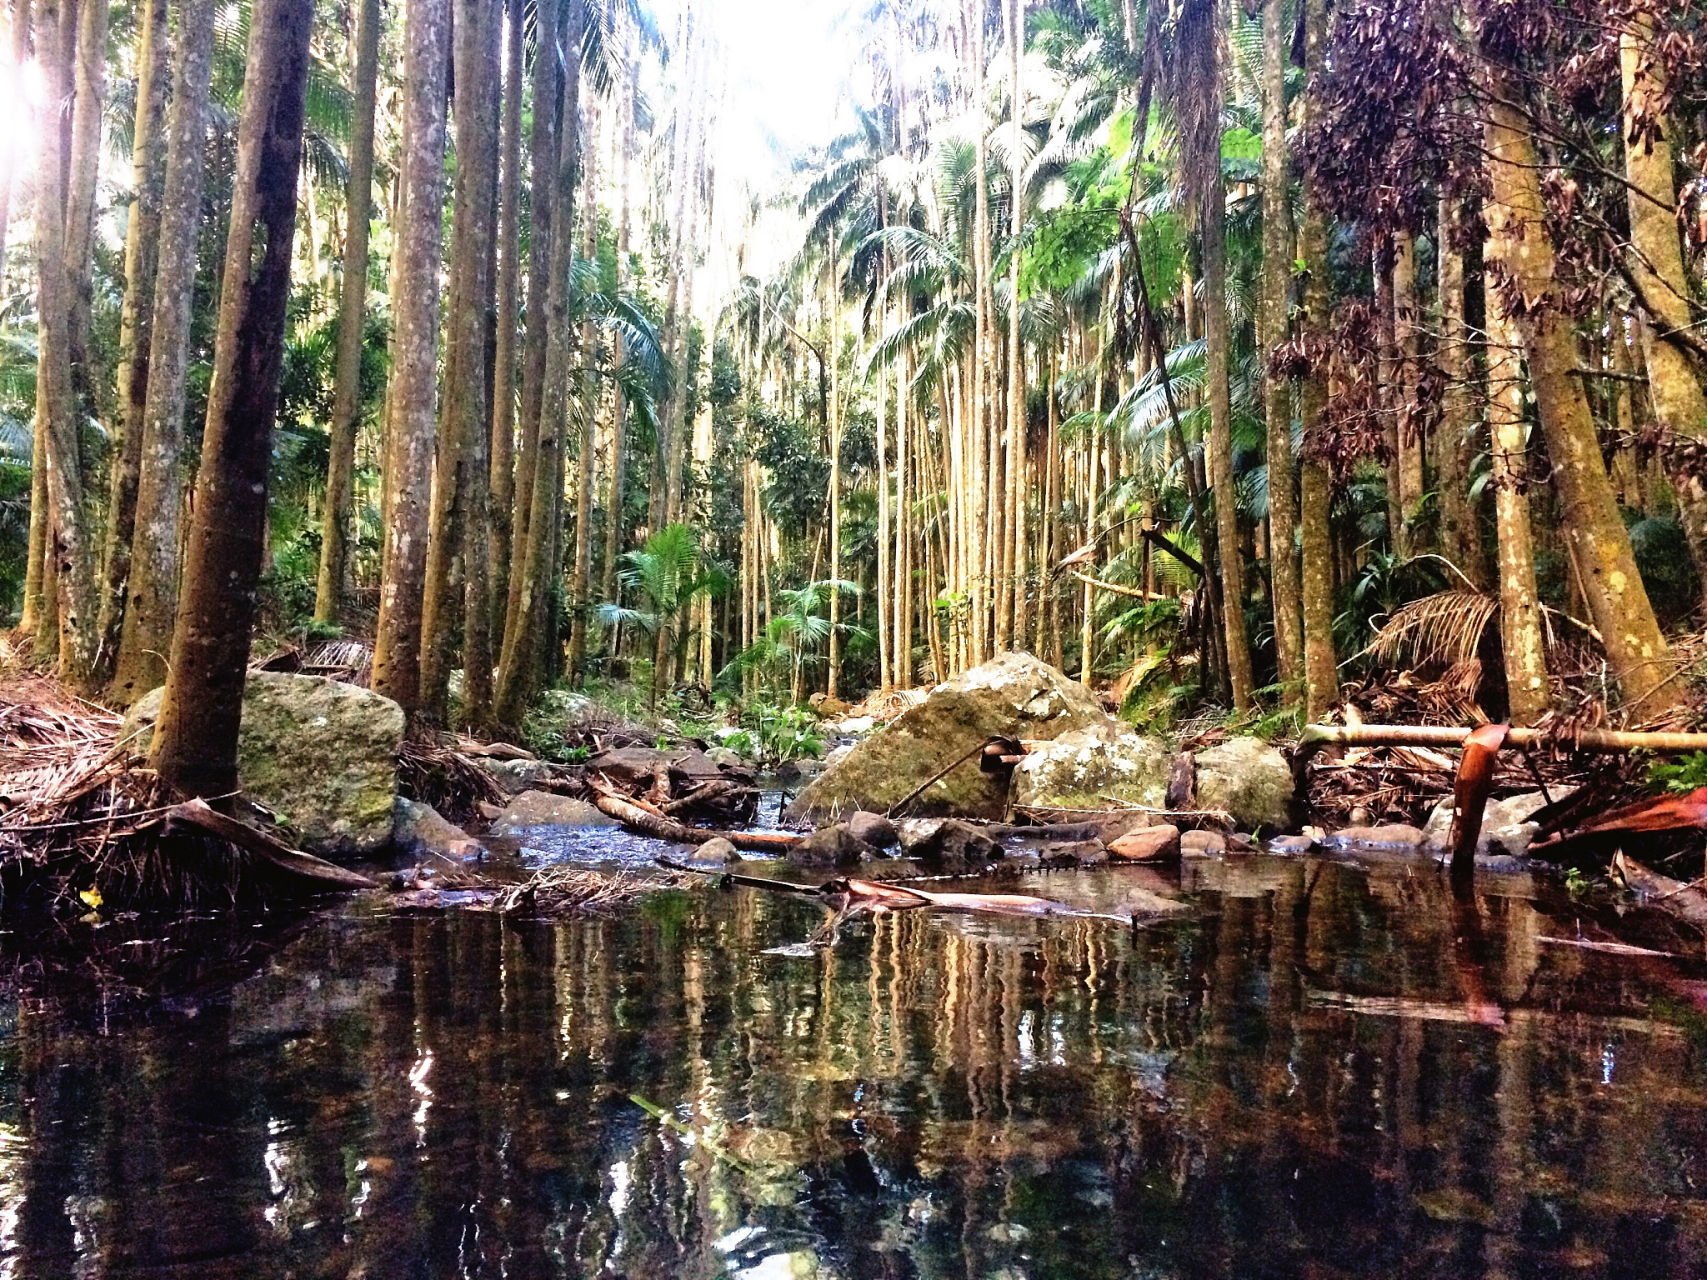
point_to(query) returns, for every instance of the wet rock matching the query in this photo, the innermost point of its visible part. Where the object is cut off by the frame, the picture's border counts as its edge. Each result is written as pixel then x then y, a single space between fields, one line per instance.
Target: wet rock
pixel 1087 768
pixel 321 754
pixel 1506 832
pixel 1202 844
pixel 874 829
pixel 950 841
pixel 724 758
pixel 420 829
pixel 827 706
pixel 1147 844
pixel 514 776
pixel 1394 837
pixel 717 850
pixel 1073 853
pixel 833 846
pixel 1246 778
pixel 1291 845
pixel 1014 696
pixel 544 809
pixel 792 771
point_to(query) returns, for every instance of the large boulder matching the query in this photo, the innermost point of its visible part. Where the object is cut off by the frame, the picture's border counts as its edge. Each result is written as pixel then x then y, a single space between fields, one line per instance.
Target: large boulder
pixel 1013 696
pixel 1506 829
pixel 321 754
pixel 1086 768
pixel 547 809
pixel 1248 779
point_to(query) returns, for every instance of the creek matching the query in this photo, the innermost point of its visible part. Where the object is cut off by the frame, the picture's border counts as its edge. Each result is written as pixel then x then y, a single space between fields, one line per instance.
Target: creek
pixel 1325 1070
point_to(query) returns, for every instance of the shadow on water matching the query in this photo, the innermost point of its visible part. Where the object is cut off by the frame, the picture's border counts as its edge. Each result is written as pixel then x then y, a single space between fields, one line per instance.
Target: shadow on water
pixel 1325 1071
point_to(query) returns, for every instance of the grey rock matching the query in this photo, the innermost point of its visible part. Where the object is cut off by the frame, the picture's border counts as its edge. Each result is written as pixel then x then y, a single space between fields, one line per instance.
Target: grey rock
pixel 544 809
pixel 1505 830
pixel 1073 853
pixel 874 829
pixel 420 829
pixel 723 757
pixel 955 843
pixel 1248 779
pixel 1086 768
pixel 833 846
pixel 321 754
pixel 1290 845
pixel 1393 837
pixel 514 776
pixel 718 850
pixel 1014 696
pixel 1202 844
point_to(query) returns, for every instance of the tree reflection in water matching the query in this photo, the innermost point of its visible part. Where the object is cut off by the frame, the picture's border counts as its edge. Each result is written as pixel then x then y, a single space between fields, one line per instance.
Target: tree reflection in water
pixel 1325 1071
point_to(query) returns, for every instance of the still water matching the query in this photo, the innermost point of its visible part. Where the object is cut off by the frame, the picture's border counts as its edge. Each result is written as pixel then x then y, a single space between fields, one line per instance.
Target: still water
pixel 1324 1071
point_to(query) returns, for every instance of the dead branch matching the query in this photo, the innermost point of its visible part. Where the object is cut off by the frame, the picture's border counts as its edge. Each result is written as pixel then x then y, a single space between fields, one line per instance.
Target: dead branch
pixel 305 866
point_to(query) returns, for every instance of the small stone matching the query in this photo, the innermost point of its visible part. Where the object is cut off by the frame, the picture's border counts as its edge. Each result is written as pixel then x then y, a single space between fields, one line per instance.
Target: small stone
pixel 1147 844
pixel 955 842
pixel 1290 845
pixel 419 828
pixel 718 849
pixel 1202 844
pixel 831 847
pixel 874 829
pixel 1390 838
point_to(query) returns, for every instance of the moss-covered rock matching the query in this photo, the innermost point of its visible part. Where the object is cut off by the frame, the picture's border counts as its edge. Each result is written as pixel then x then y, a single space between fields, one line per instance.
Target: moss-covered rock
pixel 1248 779
pixel 1012 696
pixel 1087 768
pixel 319 753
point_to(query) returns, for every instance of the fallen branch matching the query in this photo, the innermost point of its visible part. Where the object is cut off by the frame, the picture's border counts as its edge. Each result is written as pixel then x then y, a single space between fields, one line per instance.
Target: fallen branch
pixel 1606 741
pixel 1675 897
pixel 649 822
pixel 1136 593
pixel 305 866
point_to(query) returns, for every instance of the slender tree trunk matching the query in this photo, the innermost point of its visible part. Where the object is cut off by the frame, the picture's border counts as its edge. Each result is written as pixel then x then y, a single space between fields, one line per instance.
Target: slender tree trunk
pixel 834 302
pixel 1276 278
pixel 581 576
pixel 885 641
pixel 529 628
pixel 1016 497
pixel 414 359
pixel 339 515
pixel 1591 526
pixel 1520 605
pixel 1221 445
pixel 195 741
pixel 142 235
pixel 17 53
pixel 1656 264
pixel 1387 393
pixel 152 589
pixel 1406 432
pixel 1315 490
pixel 460 465
pixel 502 483
pixel 1460 538
pixel 619 419
pixel 88 115
pixel 543 166
pixel 676 323
pixel 69 548
pixel 979 423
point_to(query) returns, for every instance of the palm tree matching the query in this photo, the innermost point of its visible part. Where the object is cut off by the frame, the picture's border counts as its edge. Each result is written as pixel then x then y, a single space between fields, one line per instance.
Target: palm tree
pixel 667 572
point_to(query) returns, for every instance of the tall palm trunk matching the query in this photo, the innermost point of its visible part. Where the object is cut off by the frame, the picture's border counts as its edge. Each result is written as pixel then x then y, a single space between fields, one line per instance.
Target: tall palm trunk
pixel 977 411
pixel 337 523
pixel 1016 503
pixel 461 467
pixel 1455 442
pixel 675 311
pixel 529 628
pixel 152 590
pixel 414 355
pixel 87 116
pixel 1591 526
pixel 501 484
pixel 142 235
pixel 1387 392
pixel 1520 606
pixel 580 579
pixel 1406 431
pixel 543 165
pixel 16 54
pixel 68 550
pixel 834 302
pixel 1216 344
pixel 195 742
pixel 1276 278
pixel 624 138
pixel 1315 490
pixel 1656 265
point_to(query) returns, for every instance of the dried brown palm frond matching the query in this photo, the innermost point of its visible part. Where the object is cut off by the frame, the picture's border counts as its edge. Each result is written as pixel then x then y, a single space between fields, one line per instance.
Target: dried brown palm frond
pixel 572 891
pixel 1441 631
pixel 348 660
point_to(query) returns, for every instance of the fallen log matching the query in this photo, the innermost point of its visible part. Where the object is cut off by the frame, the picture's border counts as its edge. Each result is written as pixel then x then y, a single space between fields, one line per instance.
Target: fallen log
pixel 647 821
pixel 1688 902
pixel 196 814
pixel 1606 741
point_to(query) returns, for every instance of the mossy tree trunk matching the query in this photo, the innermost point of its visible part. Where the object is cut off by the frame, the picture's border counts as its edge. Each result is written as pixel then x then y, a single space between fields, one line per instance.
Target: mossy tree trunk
pixel 195 741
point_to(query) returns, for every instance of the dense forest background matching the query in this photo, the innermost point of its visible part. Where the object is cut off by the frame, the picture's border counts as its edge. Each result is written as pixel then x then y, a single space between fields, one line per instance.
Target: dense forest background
pixel 1214 349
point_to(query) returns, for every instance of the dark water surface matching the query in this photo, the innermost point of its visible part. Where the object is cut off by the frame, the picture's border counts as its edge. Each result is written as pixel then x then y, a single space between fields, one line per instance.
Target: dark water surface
pixel 1325 1071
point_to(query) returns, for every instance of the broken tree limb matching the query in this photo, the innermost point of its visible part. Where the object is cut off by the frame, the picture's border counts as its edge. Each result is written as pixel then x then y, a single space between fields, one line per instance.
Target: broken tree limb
pixel 1606 741
pixel 648 822
pixel 293 862
pixel 1470 791
pixel 1167 544
pixel 1136 593
pixel 1661 813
